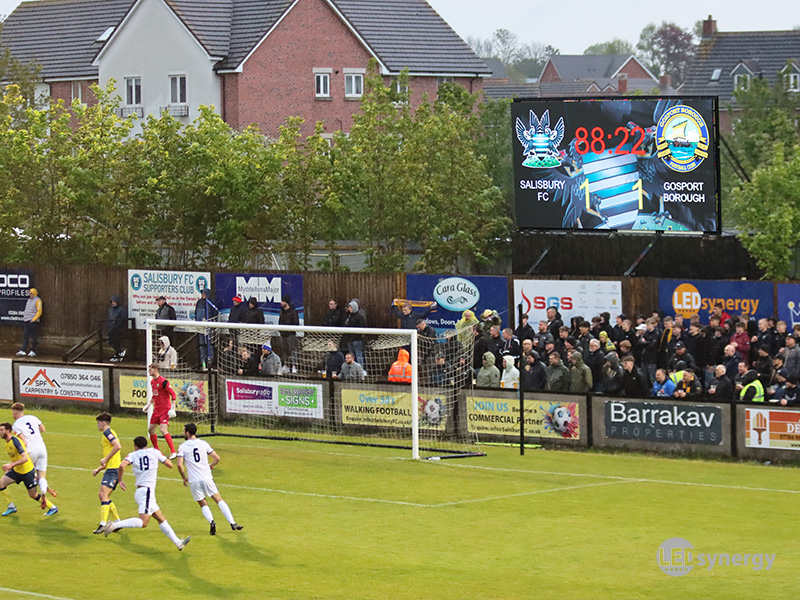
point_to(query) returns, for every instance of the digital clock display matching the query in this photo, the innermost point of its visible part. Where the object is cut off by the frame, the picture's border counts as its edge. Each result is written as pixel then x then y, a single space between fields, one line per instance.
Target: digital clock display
pixel 617 164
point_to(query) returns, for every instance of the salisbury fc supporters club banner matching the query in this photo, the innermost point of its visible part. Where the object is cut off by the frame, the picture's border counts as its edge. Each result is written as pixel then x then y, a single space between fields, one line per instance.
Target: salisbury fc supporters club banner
pixel 56 383
pixel 571 298
pixel 687 297
pixel 266 289
pixel 14 286
pixel 454 295
pixel 389 409
pixel 253 397
pixel 180 288
pixel 772 428
pixel 664 422
pixel 192 394
pixel 789 303
pixel 496 416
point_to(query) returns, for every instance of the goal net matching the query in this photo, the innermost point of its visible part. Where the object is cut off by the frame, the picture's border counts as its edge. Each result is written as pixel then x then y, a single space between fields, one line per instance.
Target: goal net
pixel 362 386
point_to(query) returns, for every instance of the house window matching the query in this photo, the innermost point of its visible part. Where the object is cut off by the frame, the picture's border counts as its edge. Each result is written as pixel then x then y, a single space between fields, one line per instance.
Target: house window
pixel 76 91
pixel 322 85
pixel 742 81
pixel 353 85
pixel 793 82
pixel 400 88
pixel 177 89
pixel 442 80
pixel 133 91
pixel 716 74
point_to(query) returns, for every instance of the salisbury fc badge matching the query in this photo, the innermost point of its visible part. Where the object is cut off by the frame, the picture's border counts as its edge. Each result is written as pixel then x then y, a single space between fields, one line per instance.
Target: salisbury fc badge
pixel 539 142
pixel 682 138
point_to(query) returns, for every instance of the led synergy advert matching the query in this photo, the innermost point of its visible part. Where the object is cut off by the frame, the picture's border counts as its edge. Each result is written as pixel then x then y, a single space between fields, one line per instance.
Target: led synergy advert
pixel 623 163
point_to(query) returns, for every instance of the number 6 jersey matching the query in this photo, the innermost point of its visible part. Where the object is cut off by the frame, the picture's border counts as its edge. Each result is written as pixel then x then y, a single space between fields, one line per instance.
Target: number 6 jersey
pixel 195 456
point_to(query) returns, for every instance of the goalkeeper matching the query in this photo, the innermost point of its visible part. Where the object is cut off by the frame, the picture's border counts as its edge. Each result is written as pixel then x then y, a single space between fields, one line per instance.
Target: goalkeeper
pixel 163 397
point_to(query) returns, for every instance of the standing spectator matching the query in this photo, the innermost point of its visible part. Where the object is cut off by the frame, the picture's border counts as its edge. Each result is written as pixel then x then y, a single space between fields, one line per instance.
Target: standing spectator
pixel 681 354
pixel 584 337
pixel 402 310
pixel 511 346
pixel 765 338
pixel 580 375
pixel 634 383
pixel 238 313
pixel 426 341
pixel 400 371
pixel 721 387
pixel 554 321
pixel 542 337
pixel 612 375
pixel 165 312
pixel 490 318
pixel 32 318
pixel 270 364
pixel 288 339
pixel 648 343
pixel 790 394
pixel 532 376
pixel 524 331
pixel 167 357
pixel 489 375
pixel 354 341
pixel 204 310
pixel 741 341
pixel 495 343
pixel 116 322
pixel 351 369
pixel 721 314
pixel 333 361
pixel 557 373
pixel 791 356
pixel 253 314
pixel 594 359
pixel 731 362
pixel 334 317
pixel 464 328
pixel 752 390
pixel 439 374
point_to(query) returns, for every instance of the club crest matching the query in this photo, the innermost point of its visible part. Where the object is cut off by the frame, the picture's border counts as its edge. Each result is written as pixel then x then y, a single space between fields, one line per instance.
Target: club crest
pixel 540 142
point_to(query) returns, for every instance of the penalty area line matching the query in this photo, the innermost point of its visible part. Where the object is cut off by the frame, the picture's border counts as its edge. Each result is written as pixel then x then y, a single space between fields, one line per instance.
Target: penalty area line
pixel 34 594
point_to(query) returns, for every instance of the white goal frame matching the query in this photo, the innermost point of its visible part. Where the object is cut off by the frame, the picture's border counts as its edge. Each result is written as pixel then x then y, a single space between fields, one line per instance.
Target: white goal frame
pixel 412 334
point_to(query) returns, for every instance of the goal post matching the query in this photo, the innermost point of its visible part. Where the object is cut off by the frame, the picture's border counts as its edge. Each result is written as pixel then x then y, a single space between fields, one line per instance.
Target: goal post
pixel 309 390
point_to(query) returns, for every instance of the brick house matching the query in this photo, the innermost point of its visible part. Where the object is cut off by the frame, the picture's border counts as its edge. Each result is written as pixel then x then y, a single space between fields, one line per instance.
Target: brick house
pixel 727 61
pixel 255 61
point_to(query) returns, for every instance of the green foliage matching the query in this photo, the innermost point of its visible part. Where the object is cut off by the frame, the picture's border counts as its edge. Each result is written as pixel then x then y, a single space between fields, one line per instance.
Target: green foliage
pixel 615 46
pixel 666 50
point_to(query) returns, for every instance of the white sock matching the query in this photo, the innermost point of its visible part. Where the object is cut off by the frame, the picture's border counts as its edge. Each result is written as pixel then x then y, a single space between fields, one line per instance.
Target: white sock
pixel 226 512
pixel 207 513
pixel 132 523
pixel 43 486
pixel 166 529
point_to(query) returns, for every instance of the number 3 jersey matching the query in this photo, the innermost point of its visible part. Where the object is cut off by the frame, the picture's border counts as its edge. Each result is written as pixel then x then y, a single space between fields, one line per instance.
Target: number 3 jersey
pixel 195 456
pixel 28 427
pixel 145 466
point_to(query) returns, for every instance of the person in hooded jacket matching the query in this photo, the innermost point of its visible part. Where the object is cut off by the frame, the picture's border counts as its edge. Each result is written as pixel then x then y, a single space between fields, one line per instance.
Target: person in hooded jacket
pixel 580 375
pixel 253 313
pixel 489 374
pixel 752 390
pixel 510 375
pixel 167 357
pixel 464 327
pixel 354 342
pixel 400 371
pixel 532 375
pixel 116 322
pixel 612 375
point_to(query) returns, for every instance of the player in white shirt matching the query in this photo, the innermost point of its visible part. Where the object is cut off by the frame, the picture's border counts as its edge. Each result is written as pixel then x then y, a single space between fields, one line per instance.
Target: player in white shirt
pixel 30 429
pixel 144 462
pixel 195 470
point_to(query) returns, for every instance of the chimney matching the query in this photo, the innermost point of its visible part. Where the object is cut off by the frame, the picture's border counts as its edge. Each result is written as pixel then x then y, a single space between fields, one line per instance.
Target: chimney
pixel 665 82
pixel 709 27
pixel 622 83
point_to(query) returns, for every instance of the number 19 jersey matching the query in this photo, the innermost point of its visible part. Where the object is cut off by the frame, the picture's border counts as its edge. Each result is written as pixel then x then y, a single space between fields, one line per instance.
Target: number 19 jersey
pixel 145 466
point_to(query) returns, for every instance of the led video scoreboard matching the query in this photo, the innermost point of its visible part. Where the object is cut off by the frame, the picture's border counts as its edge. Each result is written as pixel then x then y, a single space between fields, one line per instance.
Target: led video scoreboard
pixel 636 163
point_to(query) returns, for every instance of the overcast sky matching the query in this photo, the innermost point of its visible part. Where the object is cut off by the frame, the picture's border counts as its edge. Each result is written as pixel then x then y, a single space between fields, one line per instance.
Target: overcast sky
pixel 573 26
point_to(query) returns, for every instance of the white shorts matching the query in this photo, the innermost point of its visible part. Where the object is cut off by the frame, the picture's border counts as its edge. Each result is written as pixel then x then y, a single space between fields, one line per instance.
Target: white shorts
pixel 204 488
pixel 146 500
pixel 38 458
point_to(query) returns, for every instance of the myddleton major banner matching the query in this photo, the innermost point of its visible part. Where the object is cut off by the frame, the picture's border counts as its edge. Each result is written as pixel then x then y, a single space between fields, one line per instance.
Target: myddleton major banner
pixel 267 289
pixel 180 288
pixel 571 298
pixel 253 397
pixel 687 297
pixel 772 428
pixel 543 419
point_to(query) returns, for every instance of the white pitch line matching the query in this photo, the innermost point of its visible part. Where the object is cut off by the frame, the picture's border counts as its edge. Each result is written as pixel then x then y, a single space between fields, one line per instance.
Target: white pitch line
pixel 2 589
pixel 561 489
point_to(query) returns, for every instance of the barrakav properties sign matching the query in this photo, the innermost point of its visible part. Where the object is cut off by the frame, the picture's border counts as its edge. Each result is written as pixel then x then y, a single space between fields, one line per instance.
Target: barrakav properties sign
pixel 664 422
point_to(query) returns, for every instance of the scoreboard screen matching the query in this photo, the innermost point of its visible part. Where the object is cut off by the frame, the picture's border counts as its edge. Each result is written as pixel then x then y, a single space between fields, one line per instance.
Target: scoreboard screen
pixel 636 163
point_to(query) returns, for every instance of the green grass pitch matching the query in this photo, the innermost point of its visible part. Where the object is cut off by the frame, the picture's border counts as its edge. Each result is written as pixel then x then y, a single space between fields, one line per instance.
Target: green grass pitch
pixel 340 522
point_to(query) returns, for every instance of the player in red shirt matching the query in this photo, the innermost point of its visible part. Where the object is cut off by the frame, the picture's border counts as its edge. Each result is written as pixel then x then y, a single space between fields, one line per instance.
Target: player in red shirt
pixel 163 397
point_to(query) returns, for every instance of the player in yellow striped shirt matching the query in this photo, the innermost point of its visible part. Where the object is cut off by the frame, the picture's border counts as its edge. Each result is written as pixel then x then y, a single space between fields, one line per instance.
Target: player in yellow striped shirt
pixel 20 469
pixel 110 462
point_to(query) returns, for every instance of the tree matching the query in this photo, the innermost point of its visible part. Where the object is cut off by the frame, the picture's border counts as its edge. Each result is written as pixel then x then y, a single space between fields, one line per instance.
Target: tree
pixel 522 61
pixel 666 50
pixel 615 46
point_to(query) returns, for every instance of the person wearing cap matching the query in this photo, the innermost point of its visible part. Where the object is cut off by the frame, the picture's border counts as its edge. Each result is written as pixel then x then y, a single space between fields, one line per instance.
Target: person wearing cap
pixel 116 322
pixel 790 395
pixel 777 391
pixel 253 313
pixel 165 312
pixel 239 310
pixel 270 365
pixel 32 318
pixel 524 331
pixel 681 354
pixel 648 348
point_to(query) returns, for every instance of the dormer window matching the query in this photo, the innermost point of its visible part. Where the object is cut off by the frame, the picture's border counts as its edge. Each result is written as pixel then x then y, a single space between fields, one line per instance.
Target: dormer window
pixel 716 74
pixel 791 77
pixel 741 81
